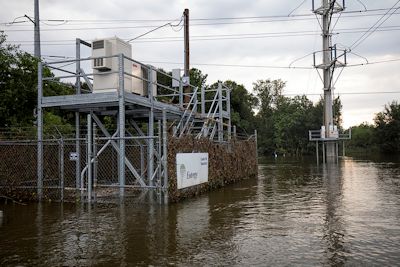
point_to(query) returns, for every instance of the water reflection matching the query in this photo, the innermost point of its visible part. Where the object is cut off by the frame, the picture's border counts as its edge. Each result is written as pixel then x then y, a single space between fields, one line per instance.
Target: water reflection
pixel 334 225
pixel 295 213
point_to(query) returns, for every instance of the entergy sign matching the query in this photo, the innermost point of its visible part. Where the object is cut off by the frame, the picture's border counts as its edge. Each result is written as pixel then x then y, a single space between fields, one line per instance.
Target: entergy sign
pixel 191 169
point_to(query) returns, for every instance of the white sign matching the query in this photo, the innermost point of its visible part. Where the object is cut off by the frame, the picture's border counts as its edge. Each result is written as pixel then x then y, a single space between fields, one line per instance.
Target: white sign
pixel 191 169
pixel 73 156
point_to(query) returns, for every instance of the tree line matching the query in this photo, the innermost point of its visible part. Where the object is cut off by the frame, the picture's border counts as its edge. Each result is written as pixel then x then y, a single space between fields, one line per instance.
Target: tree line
pixel 282 122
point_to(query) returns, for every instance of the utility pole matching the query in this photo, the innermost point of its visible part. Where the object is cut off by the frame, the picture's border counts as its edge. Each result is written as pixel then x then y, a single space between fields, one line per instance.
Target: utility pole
pixel 187 53
pixel 37 31
pixel 326 44
pixel 329 62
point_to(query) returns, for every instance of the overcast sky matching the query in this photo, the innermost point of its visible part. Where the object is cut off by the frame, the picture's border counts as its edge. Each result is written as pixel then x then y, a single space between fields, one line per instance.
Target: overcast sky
pixel 260 34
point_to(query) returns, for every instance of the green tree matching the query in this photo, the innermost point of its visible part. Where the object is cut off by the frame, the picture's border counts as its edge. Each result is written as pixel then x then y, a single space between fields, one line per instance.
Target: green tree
pixel 18 86
pixel 362 136
pixel 387 125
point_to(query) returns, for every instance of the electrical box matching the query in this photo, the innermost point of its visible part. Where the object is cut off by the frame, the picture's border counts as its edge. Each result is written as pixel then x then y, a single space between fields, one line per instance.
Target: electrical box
pixel 105 68
pixel 176 77
pixel 323 133
pixel 140 85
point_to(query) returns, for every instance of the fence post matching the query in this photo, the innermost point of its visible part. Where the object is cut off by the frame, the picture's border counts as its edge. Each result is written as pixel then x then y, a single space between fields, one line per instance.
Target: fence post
pixel 61 161
pixel 159 164
pixel 40 134
pixel 165 153
pixel 221 121
pixel 228 109
pixel 121 125
pixel 203 101
pixel 89 157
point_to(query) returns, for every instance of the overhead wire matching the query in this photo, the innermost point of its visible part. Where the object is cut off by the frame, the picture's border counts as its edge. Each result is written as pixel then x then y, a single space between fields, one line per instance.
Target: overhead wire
pixel 159 27
pixel 368 33
pixel 283 19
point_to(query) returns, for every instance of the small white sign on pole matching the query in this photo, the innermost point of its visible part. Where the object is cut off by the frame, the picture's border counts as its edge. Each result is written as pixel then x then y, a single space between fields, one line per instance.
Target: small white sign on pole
pixel 191 169
pixel 73 156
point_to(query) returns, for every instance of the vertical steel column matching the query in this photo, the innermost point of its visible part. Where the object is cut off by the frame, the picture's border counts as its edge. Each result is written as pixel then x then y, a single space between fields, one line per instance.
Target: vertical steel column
pixel 221 120
pixel 181 93
pixel 89 157
pixel 165 156
pixel 61 162
pixel 141 162
pixel 337 152
pixel 77 117
pixel 150 133
pixel 203 101
pixel 228 109
pixel 234 131
pixel 316 148
pixel 165 151
pixel 121 124
pixel 159 163
pixel 40 134
pixel 323 152
pixel 95 163
pixel 344 150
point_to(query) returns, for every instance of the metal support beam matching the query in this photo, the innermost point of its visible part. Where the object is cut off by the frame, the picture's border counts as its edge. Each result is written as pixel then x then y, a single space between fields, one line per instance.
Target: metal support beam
pixel 61 166
pixel 220 121
pixel 228 109
pixel 77 116
pixel 121 124
pixel 89 158
pixel 40 134
pixel 150 129
pixel 203 102
pixel 344 150
pixel 165 152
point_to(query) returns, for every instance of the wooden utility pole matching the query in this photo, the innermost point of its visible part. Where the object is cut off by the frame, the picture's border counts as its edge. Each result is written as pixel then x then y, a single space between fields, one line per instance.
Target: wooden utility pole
pixel 186 90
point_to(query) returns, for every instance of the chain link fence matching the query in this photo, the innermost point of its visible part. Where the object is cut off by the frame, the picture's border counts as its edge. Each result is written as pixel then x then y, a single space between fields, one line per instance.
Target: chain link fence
pixel 66 179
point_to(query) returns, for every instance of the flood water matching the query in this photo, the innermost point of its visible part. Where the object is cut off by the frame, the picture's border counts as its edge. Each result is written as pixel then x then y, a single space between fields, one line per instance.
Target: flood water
pixel 294 213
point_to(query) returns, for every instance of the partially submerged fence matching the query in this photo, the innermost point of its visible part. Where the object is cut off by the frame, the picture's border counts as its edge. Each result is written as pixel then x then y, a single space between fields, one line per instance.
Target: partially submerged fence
pixel 228 162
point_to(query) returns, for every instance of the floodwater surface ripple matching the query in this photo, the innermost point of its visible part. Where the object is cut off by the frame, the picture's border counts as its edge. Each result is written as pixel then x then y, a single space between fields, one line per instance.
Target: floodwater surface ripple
pixel 294 213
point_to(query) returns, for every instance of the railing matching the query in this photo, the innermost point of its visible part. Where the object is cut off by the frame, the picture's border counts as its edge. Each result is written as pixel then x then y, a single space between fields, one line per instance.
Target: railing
pixel 315 135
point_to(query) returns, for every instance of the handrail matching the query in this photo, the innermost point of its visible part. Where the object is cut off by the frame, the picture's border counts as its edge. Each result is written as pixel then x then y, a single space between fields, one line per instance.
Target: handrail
pixel 186 111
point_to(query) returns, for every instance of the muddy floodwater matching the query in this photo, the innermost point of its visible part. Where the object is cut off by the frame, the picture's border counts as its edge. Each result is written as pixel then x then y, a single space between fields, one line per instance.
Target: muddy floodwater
pixel 293 214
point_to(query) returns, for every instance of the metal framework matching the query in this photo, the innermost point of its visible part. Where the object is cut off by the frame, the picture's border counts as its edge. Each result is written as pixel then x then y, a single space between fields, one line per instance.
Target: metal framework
pixel 318 137
pixel 330 61
pixel 142 121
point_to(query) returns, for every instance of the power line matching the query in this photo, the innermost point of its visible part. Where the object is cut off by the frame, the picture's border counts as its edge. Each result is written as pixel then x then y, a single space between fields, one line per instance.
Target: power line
pixel 193 24
pixel 193 19
pixel 159 27
pixel 217 37
pixel 364 36
pixel 345 93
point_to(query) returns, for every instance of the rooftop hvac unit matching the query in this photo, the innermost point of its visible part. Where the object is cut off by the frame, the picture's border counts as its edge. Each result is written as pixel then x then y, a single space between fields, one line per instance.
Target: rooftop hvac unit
pixel 105 67
pixel 101 49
